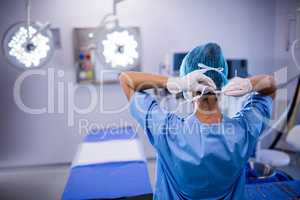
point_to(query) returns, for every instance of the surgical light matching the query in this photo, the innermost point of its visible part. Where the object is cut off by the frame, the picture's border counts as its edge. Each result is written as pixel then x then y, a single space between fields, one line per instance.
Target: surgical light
pixel 120 49
pixel 28 44
pixel 27 53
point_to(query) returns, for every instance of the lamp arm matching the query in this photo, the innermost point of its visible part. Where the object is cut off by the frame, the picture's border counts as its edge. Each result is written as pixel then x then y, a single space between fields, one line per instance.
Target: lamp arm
pixel 28 10
pixel 44 27
pixel 116 2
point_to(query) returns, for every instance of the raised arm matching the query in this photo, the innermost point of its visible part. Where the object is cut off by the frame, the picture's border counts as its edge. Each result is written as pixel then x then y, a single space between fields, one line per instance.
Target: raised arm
pixel 263 84
pixel 138 81
pixel 132 82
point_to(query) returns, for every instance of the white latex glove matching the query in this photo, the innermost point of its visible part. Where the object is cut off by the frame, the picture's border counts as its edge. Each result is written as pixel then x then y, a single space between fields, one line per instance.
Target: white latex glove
pixel 194 81
pixel 238 87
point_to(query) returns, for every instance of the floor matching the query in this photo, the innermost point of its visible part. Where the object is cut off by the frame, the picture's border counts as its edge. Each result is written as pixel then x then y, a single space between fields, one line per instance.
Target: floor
pixel 47 183
pixel 37 183
pixel 40 183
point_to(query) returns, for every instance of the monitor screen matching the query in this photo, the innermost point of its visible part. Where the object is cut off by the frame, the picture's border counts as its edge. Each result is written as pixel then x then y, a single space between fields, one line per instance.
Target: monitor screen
pixel 177 60
pixel 237 67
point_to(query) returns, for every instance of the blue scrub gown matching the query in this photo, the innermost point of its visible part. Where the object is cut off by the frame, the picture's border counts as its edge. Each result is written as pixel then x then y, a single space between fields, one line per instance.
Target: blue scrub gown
pixel 197 160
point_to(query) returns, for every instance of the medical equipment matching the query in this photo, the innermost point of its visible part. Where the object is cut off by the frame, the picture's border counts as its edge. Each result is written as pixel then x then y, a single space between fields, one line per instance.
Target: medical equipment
pixel 102 52
pixel 85 55
pixel 237 67
pixel 28 44
pixel 117 47
pixel 103 170
pixel 176 62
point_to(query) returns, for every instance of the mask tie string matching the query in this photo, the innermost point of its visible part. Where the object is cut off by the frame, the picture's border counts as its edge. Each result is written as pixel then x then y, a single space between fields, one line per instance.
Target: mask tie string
pixel 218 69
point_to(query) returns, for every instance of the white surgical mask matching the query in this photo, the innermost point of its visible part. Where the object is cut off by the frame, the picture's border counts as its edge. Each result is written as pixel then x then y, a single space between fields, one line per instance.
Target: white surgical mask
pixel 188 95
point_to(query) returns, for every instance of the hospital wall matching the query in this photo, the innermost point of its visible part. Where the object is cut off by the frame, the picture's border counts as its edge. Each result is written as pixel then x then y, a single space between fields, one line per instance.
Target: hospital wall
pixel 282 57
pixel 245 29
pixel 282 60
pixel 284 9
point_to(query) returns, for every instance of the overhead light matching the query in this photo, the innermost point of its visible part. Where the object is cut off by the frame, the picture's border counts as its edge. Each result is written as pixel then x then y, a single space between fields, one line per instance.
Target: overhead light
pixel 120 49
pixel 25 47
pixel 28 44
pixel 91 35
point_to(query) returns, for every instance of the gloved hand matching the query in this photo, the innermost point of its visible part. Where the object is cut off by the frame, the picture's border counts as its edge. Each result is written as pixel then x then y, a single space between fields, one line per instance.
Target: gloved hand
pixel 238 87
pixel 194 81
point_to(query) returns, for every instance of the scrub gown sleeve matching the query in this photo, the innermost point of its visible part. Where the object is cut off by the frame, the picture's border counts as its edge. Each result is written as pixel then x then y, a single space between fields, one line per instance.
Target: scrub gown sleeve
pixel 146 111
pixel 255 114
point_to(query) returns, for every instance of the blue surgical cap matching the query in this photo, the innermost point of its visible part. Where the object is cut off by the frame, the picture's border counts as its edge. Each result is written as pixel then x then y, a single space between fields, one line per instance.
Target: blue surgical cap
pixel 210 55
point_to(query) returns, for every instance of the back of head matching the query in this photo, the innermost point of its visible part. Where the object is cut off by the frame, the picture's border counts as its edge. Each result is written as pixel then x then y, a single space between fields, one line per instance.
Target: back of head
pixel 210 55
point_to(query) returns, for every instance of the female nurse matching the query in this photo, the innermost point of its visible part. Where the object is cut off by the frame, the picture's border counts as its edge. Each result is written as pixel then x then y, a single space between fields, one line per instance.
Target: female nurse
pixel 202 156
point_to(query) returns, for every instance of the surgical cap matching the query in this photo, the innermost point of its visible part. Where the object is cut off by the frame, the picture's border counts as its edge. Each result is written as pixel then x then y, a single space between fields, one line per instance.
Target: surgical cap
pixel 210 55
